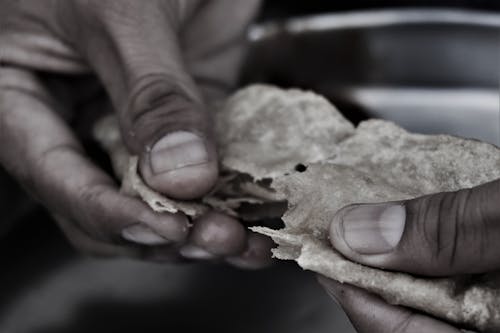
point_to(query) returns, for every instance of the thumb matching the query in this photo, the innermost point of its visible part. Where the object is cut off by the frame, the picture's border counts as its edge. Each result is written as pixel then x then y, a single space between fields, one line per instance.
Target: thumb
pixel 440 234
pixel 133 48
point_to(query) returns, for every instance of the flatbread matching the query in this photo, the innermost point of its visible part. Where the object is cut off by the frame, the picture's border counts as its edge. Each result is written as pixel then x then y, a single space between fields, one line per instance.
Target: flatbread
pixel 382 162
pixel 277 145
pixel 265 132
pixel 304 128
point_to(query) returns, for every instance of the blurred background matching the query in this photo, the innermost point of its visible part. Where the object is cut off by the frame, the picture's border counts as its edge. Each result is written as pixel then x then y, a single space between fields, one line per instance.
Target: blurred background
pixel 431 66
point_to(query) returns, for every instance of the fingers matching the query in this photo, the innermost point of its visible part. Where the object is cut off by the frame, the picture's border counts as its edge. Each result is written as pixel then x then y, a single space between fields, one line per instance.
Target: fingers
pixel 90 246
pixel 133 48
pixel 257 254
pixel 97 219
pixel 370 314
pixel 213 52
pixel 46 158
pixel 87 245
pixel 441 234
pixel 218 234
pixel 27 41
pixel 212 55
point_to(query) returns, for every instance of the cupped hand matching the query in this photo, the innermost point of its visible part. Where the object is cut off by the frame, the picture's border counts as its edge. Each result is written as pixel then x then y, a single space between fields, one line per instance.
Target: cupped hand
pixel 160 62
pixel 437 235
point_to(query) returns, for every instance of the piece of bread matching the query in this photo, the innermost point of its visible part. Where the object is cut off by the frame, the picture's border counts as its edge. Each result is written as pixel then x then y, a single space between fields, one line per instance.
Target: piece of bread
pixel 289 145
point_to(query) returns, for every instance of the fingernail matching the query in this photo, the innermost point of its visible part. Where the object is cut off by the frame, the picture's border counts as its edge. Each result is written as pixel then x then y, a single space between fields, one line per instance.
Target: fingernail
pixel 373 228
pixel 195 252
pixel 177 150
pixel 142 234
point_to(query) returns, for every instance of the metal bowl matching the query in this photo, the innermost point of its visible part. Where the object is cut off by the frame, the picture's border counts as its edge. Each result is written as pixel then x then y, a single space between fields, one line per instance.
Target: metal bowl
pixel 430 70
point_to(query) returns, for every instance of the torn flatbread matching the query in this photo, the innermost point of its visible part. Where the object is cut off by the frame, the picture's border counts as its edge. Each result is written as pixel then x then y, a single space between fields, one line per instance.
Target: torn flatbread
pixel 382 162
pixel 264 132
pixel 304 126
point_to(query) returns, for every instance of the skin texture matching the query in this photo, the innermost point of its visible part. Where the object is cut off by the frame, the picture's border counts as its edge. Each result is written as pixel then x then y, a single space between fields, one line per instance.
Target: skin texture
pixel 444 234
pixel 156 64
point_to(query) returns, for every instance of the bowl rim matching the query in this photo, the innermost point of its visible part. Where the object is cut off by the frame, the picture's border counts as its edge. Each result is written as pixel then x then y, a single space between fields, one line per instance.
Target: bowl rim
pixel 374 18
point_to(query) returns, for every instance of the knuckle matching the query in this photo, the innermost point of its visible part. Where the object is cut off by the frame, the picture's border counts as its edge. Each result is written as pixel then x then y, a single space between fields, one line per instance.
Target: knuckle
pixel 88 12
pixel 37 177
pixel 156 89
pixel 157 106
pixel 442 222
pixel 404 324
pixel 104 17
pixel 104 10
pixel 92 212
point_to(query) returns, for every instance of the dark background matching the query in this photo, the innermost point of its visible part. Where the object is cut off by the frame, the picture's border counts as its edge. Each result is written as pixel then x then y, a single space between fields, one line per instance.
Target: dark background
pixel 273 9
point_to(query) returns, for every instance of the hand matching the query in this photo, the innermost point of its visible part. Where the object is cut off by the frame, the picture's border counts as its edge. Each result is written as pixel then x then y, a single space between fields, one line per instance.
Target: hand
pixel 443 234
pixel 160 62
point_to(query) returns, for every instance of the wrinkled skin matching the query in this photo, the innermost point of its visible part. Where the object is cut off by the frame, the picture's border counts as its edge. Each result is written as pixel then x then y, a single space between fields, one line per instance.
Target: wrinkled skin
pixel 159 62
pixel 445 234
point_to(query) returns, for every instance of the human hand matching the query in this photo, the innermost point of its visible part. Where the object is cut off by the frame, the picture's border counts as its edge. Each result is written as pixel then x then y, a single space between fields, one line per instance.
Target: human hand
pixel 443 234
pixel 160 62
